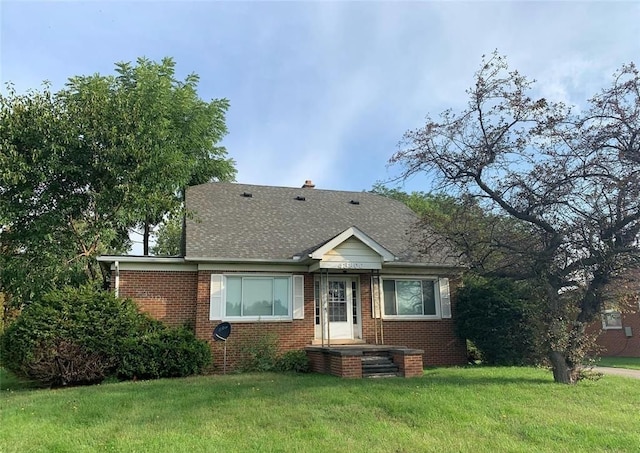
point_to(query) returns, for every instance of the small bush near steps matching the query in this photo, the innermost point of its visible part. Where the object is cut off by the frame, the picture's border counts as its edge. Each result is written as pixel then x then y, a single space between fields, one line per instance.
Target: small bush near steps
pixel 296 360
pixel 261 354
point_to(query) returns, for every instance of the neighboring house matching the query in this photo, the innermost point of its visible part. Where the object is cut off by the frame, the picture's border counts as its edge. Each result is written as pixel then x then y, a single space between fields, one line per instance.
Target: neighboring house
pixel 337 273
pixel 620 321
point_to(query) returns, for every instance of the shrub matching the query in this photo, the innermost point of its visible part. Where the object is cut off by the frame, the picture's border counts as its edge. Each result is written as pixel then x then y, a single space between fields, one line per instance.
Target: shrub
pixel 81 335
pixel 260 354
pixel 293 361
pixel 163 353
pixel 95 322
pixel 62 362
pixel 502 319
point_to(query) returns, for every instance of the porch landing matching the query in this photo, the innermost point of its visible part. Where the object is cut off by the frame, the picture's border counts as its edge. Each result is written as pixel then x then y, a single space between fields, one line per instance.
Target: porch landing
pixel 365 360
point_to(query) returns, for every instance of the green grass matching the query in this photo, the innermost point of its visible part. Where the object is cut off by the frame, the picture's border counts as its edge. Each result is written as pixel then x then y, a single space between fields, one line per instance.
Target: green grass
pixel 632 363
pixel 478 409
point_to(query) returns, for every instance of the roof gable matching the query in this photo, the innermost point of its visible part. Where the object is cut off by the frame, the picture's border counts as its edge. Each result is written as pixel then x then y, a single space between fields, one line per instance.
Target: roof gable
pixel 352 232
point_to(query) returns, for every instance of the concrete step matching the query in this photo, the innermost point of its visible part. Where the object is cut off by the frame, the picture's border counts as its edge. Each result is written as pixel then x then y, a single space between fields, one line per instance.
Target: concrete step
pixel 379 375
pixel 376 366
pixel 373 360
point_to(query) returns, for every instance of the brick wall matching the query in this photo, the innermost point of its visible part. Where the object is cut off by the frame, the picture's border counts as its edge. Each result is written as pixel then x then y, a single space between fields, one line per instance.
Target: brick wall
pixel 166 295
pixel 179 298
pixel 347 366
pixel 614 342
pixel 319 362
pixel 337 362
pixel 436 338
pixel 291 335
pixel 409 362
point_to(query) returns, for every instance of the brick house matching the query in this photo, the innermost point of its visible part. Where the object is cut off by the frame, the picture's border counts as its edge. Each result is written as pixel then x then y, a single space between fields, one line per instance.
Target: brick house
pixel 620 321
pixel 336 273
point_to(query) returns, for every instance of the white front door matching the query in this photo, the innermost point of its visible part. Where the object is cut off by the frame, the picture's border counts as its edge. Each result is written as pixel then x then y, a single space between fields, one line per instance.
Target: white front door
pixel 342 310
pixel 339 309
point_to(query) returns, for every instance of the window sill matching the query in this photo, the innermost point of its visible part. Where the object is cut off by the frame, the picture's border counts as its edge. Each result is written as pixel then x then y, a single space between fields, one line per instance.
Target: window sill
pixel 412 318
pixel 257 319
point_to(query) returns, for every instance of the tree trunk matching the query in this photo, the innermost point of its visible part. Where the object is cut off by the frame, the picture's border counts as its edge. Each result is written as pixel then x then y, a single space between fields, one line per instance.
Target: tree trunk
pixel 562 372
pixel 145 238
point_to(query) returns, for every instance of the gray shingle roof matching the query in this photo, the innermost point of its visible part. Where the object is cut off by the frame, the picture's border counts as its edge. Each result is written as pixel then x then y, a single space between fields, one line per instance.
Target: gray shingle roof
pixel 273 224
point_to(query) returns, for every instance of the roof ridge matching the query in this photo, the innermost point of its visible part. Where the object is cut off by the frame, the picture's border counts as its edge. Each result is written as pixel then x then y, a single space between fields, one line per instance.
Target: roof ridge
pixel 262 186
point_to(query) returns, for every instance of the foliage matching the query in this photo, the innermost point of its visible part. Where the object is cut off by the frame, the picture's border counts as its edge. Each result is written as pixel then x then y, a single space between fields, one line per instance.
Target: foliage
pixel 505 409
pixel 42 189
pixel 260 353
pixel 81 167
pixel 3 306
pixel 474 356
pixel 296 360
pixel 501 318
pixel 570 181
pixel 61 362
pixel 90 320
pixel 81 335
pixel 163 353
pixel 468 231
pixel 422 203
pixel 169 238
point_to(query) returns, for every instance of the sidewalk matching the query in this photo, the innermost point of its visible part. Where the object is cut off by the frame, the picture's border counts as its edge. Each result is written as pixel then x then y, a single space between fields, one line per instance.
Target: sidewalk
pixel 618 371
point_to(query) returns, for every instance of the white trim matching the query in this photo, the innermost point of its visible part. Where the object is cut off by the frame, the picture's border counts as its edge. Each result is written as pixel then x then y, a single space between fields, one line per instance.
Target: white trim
pixel 298 297
pixel 319 253
pixel 445 298
pixel 189 264
pixel 153 267
pixel 355 329
pixel 140 259
pixel 201 259
pixel 116 283
pixel 225 267
pixel 605 326
pixel 438 267
pixel 216 296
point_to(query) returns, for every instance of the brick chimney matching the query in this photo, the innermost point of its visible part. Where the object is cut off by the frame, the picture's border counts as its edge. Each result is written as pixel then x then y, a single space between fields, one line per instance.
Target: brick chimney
pixel 308 184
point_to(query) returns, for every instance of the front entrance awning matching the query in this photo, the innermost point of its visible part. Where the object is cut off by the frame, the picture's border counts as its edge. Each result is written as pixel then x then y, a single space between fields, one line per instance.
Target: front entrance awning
pixel 351 250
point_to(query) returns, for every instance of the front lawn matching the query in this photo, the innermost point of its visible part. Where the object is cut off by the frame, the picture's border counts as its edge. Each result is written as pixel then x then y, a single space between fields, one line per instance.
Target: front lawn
pixel 447 410
pixel 632 363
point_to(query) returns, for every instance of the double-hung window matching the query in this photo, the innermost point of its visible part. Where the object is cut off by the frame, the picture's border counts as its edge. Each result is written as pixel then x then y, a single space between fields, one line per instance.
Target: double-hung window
pixel 410 298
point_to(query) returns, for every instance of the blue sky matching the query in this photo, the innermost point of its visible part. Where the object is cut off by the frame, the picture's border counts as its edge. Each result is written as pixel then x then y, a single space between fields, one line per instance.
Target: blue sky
pixel 324 90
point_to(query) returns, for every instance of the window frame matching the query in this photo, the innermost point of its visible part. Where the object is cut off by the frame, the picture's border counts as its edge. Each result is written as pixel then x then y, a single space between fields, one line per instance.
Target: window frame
pixel 257 318
pixel 605 316
pixel 413 278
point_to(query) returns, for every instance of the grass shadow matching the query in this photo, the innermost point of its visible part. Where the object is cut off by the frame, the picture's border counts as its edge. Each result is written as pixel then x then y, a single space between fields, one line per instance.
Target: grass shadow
pixel 11 383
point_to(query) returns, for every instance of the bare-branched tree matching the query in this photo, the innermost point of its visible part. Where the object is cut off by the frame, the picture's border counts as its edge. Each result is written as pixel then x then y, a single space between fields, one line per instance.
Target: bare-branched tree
pixel 569 182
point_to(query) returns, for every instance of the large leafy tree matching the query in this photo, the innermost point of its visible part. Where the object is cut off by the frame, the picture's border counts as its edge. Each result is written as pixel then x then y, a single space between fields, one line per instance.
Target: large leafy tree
pixel 81 167
pixel 572 181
